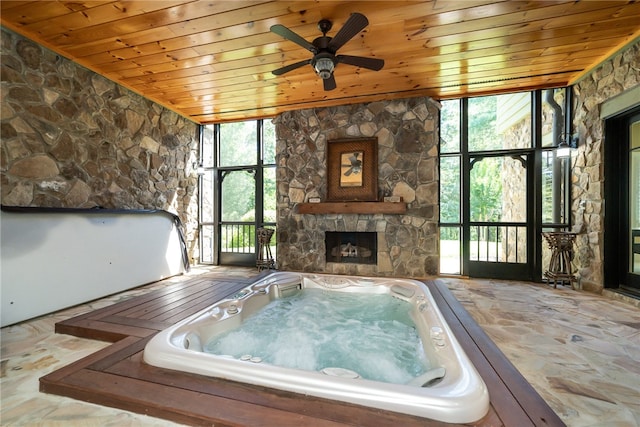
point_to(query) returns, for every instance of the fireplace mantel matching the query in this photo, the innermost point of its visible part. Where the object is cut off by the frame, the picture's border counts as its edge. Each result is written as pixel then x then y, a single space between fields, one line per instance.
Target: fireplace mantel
pixel 352 208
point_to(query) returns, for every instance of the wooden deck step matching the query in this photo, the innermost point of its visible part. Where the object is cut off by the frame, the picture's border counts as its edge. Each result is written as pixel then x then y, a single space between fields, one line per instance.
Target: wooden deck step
pixel 117 376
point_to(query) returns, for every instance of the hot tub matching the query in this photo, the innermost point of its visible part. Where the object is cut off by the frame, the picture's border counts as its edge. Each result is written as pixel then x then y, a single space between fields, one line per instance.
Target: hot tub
pixel 446 388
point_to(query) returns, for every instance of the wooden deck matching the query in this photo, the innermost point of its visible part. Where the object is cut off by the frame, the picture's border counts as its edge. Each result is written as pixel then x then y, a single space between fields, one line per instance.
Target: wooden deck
pixel 116 376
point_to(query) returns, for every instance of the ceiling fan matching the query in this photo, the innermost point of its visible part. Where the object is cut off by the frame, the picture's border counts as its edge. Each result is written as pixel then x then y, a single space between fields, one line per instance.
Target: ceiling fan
pixel 324 49
pixel 354 165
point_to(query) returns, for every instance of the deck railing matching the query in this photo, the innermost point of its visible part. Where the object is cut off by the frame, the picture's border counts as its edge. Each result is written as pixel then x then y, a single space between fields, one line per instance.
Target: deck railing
pixel 238 237
pixel 498 242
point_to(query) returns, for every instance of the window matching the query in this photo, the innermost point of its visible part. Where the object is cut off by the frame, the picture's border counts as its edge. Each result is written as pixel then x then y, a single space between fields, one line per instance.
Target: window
pixel 450 188
pixel 237 190
pixel 488 147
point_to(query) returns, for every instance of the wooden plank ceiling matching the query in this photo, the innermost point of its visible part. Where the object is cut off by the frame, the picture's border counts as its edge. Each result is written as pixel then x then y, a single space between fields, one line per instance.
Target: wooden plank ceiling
pixel 211 61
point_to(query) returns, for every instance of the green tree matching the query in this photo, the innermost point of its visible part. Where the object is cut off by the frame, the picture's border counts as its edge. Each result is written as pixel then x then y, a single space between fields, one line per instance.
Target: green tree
pixel 450 166
pixel 486 185
pixel 238 195
pixel 486 190
pixel 482 124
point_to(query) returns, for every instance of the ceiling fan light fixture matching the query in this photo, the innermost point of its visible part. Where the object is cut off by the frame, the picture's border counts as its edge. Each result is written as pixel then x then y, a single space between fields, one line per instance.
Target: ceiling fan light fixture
pixel 324 67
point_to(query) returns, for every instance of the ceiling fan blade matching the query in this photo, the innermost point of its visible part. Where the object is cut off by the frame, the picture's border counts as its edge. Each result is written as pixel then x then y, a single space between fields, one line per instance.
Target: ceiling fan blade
pixel 290 67
pixel 283 31
pixel 330 83
pixel 356 23
pixel 361 61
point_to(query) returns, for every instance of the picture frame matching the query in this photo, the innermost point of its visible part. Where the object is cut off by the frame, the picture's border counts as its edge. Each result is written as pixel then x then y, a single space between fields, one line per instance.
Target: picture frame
pixel 352 170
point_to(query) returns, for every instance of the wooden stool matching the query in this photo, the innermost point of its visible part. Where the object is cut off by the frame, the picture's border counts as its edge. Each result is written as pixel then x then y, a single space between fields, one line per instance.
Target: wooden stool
pixel 561 245
pixel 265 258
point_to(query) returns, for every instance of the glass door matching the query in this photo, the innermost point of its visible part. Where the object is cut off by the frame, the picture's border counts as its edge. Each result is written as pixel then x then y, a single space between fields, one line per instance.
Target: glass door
pixel 622 196
pixel 237 226
pixel 498 232
pixel 497 180
pixel 633 231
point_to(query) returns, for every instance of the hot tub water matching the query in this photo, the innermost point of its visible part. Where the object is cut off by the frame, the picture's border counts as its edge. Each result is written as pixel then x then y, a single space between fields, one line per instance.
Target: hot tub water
pixel 372 335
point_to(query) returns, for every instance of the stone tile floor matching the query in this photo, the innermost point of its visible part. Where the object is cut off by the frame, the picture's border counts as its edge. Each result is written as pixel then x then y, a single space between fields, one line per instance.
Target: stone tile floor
pixel 579 350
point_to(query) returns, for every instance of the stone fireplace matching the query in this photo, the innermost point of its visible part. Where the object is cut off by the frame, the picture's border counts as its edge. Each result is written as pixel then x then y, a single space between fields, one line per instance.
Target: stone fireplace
pixel 407 134
pixel 358 247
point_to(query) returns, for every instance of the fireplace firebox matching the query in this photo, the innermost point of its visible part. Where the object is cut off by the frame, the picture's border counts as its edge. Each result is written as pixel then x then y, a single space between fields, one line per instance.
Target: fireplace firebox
pixel 351 247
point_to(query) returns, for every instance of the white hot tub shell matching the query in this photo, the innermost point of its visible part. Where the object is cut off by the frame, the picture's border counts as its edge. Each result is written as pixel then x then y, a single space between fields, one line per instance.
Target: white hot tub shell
pixel 451 391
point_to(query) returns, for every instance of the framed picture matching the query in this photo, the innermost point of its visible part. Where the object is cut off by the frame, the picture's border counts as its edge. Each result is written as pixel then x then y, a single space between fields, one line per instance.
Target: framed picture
pixel 352 170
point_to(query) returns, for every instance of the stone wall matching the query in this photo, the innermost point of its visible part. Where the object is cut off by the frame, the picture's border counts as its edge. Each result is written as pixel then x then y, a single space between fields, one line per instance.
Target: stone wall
pixel 71 138
pixel 614 76
pixel 407 132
